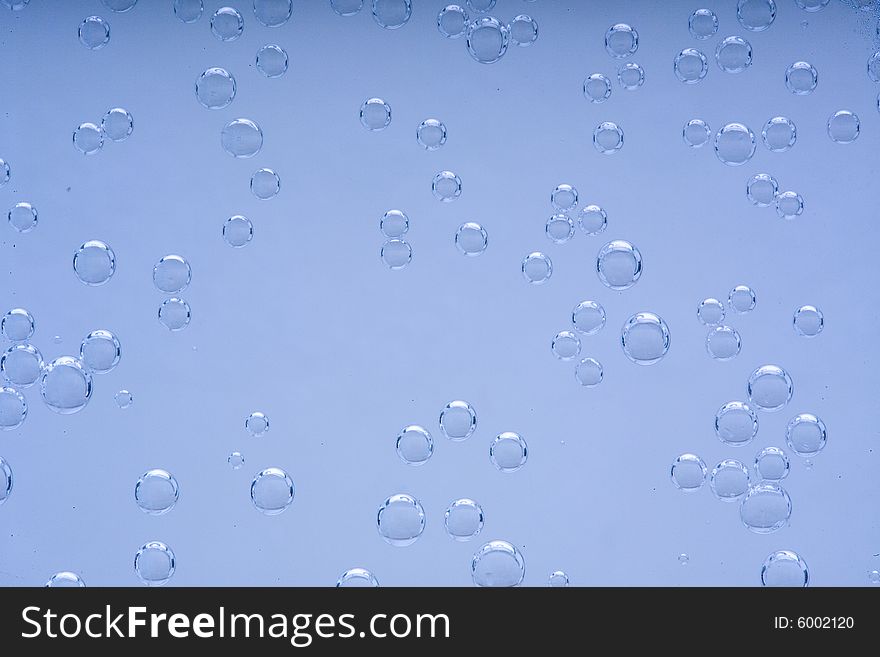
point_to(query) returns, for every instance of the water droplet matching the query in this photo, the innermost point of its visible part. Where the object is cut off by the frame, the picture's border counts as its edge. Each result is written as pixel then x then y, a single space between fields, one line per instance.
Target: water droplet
pixel 808 321
pixel 265 184
pixel 401 520
pixel 537 268
pixel 729 480
pixel 756 15
pixel 238 231
pixel 631 76
pixel 588 317
pixel 471 239
pixel 771 464
pixel 272 61
pixel 6 480
pixel 273 13
pixel 452 21
pixel 215 88
pixel 446 186
pixel 723 343
pixel 696 133
pixel 175 314
pixel 688 472
pixel 806 434
pixel 65 579
pixel 414 445
pixel 22 217
pixel 272 491
pixel 619 265
pixel 156 492
pixel 172 274
pixel 742 299
pixel 256 424
pixel 88 138
pixel 66 385
pixel 566 345
pixel 621 40
pixel 397 254
pixel 558 579
pixel 463 520
pixel 458 420
pixel 597 88
pixel 564 197
pixel 487 39
pixel 154 563
pixel 227 24
pixel 241 138
pixel 801 78
pixel 13 413
pixel 785 568
pixel 235 460
pixel 431 134
pixel 559 228
pixel 392 14
pixel 734 144
pixel 94 262
pixel 770 388
pixel 710 312
pixel 703 24
pixel 100 351
pixel 5 172
pixel 844 127
pixel 498 563
pixel 761 190
pixel 588 372
pixel 789 205
pixel 94 32
pixel 766 508
pixel 736 424
pixel 733 54
pixel 394 223
pixel 779 134
pixel 608 138
pixel 123 399
pixel 188 11
pixel 357 577
pixel 18 325
pixel 523 30
pixel 690 65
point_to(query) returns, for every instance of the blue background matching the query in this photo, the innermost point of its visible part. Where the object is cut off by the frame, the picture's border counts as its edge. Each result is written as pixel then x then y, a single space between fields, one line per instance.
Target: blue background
pixel 308 325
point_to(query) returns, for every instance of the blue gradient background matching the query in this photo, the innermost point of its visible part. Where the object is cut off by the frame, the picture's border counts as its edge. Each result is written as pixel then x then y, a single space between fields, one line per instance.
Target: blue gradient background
pixel 307 324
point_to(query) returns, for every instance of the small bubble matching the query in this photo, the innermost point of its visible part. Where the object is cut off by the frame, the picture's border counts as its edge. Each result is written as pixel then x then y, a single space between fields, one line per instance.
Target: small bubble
pixel 874 576
pixel 5 172
pixel 256 424
pixel 734 144
pixel 446 186
pixel 608 138
pixel 414 445
pixel 238 231
pixel 431 134
pixel 172 274
pixel 227 24
pixel 559 228
pixel 6 479
pixel 690 65
pixel 619 265
pixel 65 579
pixel 843 127
pixel 696 133
pixel 481 6
pixel 801 78
pixel 487 39
pixel 188 11
pixel 770 388
pixel 684 559
pixel 458 420
pixel 66 385
pixel 13 413
pixel 808 321
pixel 771 464
pixel 723 343
pixel 272 61
pixel 537 268
pixel 588 317
pixel 471 239
pixel 463 520
pixel 508 451
pixel 592 219
pixel 785 568
pixel 645 338
pixel 22 217
pixel 88 138
pixel 806 434
pixel 241 138
pixel 452 21
pixel 117 124
pixel 742 299
pixel 736 424
pixel 401 520
pixel 733 54
pixel 523 30
pixel 789 205
pixel 272 491
pixel 18 325
pixel 761 190
pixel 631 76
pixel 235 460
pixel 498 564
pixel 756 15
pixel 265 184
pixel 597 88
pixel 392 14
pixel 621 40
pixel 710 312
pixel 357 577
pixel 175 314
pixel 779 134
pixel 273 13
pixel 688 472
pixel 154 563
pixel 215 88
pixel 94 32
pixel 566 345
pixel 729 480
pixel 557 579
pixel 766 508
pixel 123 399
pixel 589 373
pixel 156 492
pixel 394 223
pixel 564 197
pixel 100 351
pixel 396 253
pixel 811 5
pixel 703 24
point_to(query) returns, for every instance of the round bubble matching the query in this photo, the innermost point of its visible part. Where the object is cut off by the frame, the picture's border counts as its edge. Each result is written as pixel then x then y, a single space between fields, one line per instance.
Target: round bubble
pixel 401 520
pixel 710 312
pixel 175 314
pixel 396 253
pixel 273 13
pixel 801 78
pixel 770 388
pixel 119 5
pixel 235 460
pixel 458 420
pixel 94 262
pixel 22 217
pixel 523 30
pixel 736 424
pixel 88 138
pixel 564 197
pixel 733 54
pixel 18 325
pixel 487 39
pixel 227 24
pixel 703 24
pixel 272 491
pixel 471 239
pixel 734 144
pixel 463 520
pixel 808 321
pixel 241 138
pixel 690 65
pixel 756 15
pixel 772 464
pixel 621 40
pixel 156 492
pixel 272 61
pixel 766 508
pixel 21 364
pixel 498 563
pixel 566 345
pixel 742 299
pixel 481 6
pixel 844 127
pixel 537 268
pixel 806 434
pixel 238 231
pixel 779 134
pixel 588 372
pixel 688 472
pixel 65 579
pixel 6 480
pixel 265 184
pixel 645 338
pixel 761 190
pixel 357 577
pixel 94 32
pixel 431 134
pixel 154 563
pixel 13 411
pixel 123 399
pixel 597 88
pixel 508 451
pixel 394 223
pixel 785 568
pixel 446 186
pixel 5 172
pixel 811 5
pixel 100 351
pixel 189 11
pixel 117 124
pixel 723 343
pixel 414 445
pixel 696 133
pixel 172 274
pixel 619 265
pixel 66 385
pixel 453 21
pixel 608 138
pixel 215 88
pixel 729 480
pixel 392 14
pixel 588 317
pixel 559 228
pixel 256 424
pixel 631 76
pixel 558 579
pixel 789 205
pixel 592 219
pixel 346 7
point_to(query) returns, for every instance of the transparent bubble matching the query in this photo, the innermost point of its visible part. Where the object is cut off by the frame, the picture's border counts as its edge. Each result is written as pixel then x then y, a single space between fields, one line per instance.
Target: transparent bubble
pixel 723 343
pixel 559 228
pixel 272 491
pixel 94 262
pixel 592 219
pixel 396 254
pixel 241 138
pixel 272 61
pixel 117 124
pixel 458 420
pixel 811 5
pixel 844 127
pixel 463 520
pixel 273 13
pixel 734 144
pixel 156 492
pixel 392 14
pixel 696 133
pixel 154 563
pixel 215 88
pixel 729 480
pixel 188 11
pixel 5 172
pixel 608 138
pixel 621 40
pixel 564 197
pixel 431 134
pixel 789 205
pixel 174 314
pixel 471 239
pixel 13 412
pixel 265 184
pixel 684 559
pixel 119 6
pixel 357 577
pixel 645 338
pixel 808 321
pixel 558 579
pixel 742 299
pixel 6 480
pixel 18 325
pixel 874 67
pixel 756 15
pixel 770 388
pixel 94 32
pixel 452 21
pixel 703 24
pixel 394 223
pixel 710 312
pixel 65 579
pixel 481 6
pixel 771 464
pixel 414 445
pixel 766 508
pixel 688 473
pixel 487 39
pixel 508 451
pixel 566 345
pixel 523 30
pixel 761 190
pixel 256 424
pixel 631 76
pixel 597 88
pixel 874 576
pixel 346 7
pixel 123 399
pixel 498 563
pixel 806 434
pixel 235 460
pixel 779 134
pixel 16 5
pixel 401 520
pixel 588 317
pixel 100 351
pixel 785 568
pixel 22 217
pixel 736 424
pixel 88 138
pixel 690 65
pixel 238 231
pixel 537 268
pixel 801 78
pixel 619 265
pixel 227 24
pixel 733 54
pixel 66 385
pixel 588 372
pixel 172 274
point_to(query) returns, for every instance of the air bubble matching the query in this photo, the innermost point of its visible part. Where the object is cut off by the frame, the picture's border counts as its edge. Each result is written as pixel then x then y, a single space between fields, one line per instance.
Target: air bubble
pixel 6 480
pixel 734 144
pixel 742 299
pixel 779 134
pixel 396 253
pixel 756 15
pixel 811 5
pixel 346 7
pixel 690 65
pixel 801 78
pixel 789 205
pixel 446 186
pixel 18 325
pixel 523 30
pixel 94 32
pixel 88 138
pixel 508 451
pixel 123 399
pixel 808 321
pixel 559 228
pixel 256 424
pixel 235 460
pixel 874 67
pixel 564 197
pixel 241 138
pixel 588 317
pixel 5 172
pixel 238 231
pixel 392 14
pixel 597 88
pixel 13 413
pixel 566 345
pixel 645 338
pixel 463 520
pixel 272 61
pixel 175 314
pixel 66 385
pixel 458 420
pixel 608 138
pixel 621 40
pixel 414 445
pixel 729 480
pixel 498 564
pixel 688 472
pixel 733 54
pixel 558 579
pixel 592 219
pixel 844 127
pixel 806 435
pixel 401 520
pixel 65 579
pixel 265 184
pixel 172 274
pixel 588 372
pixel 766 508
pixel 723 343
pixel 761 190
pixel 154 563
pixel 21 365
pixel 736 424
pixel 453 21
pixel 619 265
pixel 394 223
pixel 770 388
pixel 357 577
pixel 188 11
pixel 22 217
pixel 227 24
pixel 431 134
pixel 487 40
pixel 215 88
pixel 772 464
pixel 481 6
pixel 273 13
pixel 785 568
pixel 156 492
pixel 117 124
pixel 100 351
pixel 537 268
pixel 94 263
pixel 696 133
pixel 471 239
pixel 272 491
pixel 631 76
pixel 710 312
pixel 703 24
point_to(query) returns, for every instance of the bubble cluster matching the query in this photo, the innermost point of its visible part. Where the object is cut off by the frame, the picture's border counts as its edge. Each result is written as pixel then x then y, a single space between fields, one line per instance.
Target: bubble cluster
pixel 401 520
pixel 463 520
pixel 785 568
pixel 272 491
pixel 498 564
pixel 508 452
